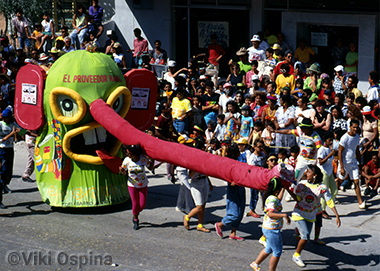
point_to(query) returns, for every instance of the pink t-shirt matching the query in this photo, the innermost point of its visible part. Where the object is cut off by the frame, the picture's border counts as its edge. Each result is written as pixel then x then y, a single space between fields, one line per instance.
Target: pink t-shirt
pixel 140 46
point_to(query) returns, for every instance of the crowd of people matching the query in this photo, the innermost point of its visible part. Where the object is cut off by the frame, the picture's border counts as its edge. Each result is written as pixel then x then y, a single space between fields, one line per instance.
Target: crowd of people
pixel 272 110
pixel 274 107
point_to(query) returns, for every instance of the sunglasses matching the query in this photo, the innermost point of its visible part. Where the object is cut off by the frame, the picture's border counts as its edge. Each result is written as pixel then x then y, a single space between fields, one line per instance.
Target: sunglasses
pixel 272 160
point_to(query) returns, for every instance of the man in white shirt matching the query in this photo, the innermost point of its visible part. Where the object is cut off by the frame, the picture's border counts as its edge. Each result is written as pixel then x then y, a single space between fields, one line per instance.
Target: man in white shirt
pixel 373 91
pixel 254 52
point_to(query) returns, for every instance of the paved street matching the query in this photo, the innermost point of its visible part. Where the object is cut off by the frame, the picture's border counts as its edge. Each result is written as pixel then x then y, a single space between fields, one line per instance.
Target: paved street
pixel 31 230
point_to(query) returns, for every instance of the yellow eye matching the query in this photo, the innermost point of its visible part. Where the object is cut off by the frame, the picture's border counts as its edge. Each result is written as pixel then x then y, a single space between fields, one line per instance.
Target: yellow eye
pixel 120 100
pixel 67 105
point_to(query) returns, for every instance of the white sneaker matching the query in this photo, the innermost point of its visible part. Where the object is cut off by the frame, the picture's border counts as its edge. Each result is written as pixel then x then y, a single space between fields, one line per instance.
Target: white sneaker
pixel 288 198
pixel 264 243
pixel 298 261
pixel 363 205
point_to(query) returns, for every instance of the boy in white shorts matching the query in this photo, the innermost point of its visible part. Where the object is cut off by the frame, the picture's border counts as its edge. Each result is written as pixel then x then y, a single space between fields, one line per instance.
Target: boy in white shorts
pixel 349 155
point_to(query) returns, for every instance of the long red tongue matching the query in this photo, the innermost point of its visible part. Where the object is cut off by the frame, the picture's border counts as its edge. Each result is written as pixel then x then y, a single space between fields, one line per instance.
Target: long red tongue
pixel 112 162
pixel 177 154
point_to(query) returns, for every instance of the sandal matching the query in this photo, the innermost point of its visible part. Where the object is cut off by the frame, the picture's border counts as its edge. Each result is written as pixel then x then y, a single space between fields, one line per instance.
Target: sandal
pixel 319 242
pixel 186 223
pixel 218 230
pixel 254 214
pixel 203 229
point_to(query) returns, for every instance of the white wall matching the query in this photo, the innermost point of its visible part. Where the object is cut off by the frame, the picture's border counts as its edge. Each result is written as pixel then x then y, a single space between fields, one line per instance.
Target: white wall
pixel 367 33
pixel 155 23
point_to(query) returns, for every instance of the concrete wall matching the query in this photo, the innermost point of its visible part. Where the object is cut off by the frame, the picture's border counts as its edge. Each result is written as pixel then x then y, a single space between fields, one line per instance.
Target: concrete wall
pixel 123 18
pixel 367 35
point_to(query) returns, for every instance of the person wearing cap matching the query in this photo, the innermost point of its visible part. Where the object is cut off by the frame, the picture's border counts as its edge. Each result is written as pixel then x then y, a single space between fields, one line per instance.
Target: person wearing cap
pixel 309 143
pixel 276 49
pixel 21 29
pixel 68 47
pixel 243 62
pixel 225 97
pixel 235 197
pixel 269 112
pixel 172 73
pixel 285 79
pixel 8 129
pixel 304 53
pixel 370 132
pixel 215 52
pixel 254 52
pixel 43 61
pixel 339 79
pixel 313 81
pixel 349 158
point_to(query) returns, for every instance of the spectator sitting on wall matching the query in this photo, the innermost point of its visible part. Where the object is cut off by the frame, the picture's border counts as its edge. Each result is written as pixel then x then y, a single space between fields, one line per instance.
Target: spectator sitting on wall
pixel 158 55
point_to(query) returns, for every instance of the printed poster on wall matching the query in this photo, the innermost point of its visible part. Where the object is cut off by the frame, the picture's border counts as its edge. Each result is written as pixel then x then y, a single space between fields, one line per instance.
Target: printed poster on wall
pixel 206 28
pixel 140 98
pixel 319 39
pixel 29 94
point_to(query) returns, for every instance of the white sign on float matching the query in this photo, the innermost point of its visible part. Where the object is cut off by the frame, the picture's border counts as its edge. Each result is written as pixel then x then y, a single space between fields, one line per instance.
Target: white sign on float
pixel 205 29
pixel 29 94
pixel 140 98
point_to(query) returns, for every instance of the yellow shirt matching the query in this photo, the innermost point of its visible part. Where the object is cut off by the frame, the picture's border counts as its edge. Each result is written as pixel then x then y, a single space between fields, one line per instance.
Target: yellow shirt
pixel 303 55
pixel 356 92
pixel 180 107
pixel 282 81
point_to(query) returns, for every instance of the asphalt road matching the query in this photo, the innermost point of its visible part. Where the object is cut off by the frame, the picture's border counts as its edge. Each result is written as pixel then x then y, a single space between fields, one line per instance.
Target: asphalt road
pixel 35 236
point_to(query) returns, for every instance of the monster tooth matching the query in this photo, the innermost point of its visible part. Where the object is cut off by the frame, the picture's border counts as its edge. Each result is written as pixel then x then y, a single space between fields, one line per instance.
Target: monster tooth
pixel 89 137
pixel 102 134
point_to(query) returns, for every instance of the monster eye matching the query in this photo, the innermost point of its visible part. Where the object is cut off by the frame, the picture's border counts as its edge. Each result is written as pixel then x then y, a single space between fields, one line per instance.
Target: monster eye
pixel 67 105
pixel 118 104
pixel 120 100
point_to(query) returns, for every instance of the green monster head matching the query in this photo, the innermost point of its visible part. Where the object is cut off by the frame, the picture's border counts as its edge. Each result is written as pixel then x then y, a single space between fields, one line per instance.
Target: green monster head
pixel 69 172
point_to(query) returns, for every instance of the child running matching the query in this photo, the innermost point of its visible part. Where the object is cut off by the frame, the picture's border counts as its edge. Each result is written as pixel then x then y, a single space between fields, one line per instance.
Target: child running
pixel 272 225
pixel 308 194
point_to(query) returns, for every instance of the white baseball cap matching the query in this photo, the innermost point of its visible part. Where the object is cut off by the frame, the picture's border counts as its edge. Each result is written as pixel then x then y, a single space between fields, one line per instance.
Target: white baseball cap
pixel 171 63
pixel 255 77
pixel 339 68
pixel 255 38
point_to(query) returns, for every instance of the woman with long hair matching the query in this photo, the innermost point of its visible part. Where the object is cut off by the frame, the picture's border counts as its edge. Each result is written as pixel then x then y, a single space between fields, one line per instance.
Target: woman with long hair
pixel 80 23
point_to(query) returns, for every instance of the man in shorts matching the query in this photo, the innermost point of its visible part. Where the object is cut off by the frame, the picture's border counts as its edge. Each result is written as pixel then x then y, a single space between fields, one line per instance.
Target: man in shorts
pixel 349 155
